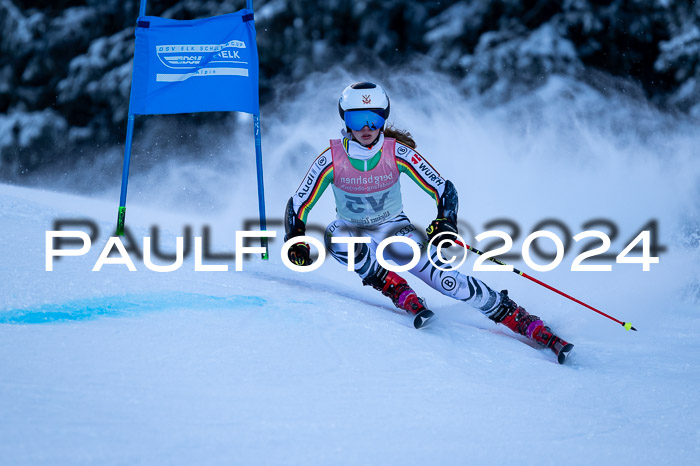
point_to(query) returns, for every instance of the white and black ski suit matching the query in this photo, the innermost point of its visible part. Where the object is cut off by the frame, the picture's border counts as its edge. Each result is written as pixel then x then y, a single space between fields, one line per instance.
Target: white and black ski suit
pixel 368 203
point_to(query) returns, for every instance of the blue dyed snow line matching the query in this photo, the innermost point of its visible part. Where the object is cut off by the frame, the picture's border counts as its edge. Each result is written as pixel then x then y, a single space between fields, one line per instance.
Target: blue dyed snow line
pixel 119 306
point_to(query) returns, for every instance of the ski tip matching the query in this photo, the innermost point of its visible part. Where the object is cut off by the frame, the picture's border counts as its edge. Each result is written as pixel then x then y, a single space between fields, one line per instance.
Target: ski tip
pixel 564 353
pixel 628 326
pixel 422 318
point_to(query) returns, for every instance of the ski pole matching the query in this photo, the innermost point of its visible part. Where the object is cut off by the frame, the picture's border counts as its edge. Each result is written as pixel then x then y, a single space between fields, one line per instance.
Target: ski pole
pixel 626 325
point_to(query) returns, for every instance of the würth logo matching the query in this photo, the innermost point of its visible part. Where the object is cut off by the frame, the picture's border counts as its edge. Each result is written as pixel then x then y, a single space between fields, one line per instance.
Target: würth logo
pixel 366 99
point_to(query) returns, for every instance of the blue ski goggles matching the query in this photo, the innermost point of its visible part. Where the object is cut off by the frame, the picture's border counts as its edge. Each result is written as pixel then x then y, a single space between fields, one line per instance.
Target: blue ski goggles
pixel 358 119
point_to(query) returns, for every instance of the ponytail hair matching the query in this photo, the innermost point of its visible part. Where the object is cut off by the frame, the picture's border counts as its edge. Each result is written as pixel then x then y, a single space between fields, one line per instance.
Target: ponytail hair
pixel 401 135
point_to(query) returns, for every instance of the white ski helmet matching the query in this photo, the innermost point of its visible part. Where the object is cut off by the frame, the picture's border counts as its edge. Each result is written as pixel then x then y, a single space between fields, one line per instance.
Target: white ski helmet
pixel 364 96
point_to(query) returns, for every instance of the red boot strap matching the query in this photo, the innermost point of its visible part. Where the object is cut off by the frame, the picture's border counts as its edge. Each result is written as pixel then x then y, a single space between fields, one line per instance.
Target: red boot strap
pixel 392 280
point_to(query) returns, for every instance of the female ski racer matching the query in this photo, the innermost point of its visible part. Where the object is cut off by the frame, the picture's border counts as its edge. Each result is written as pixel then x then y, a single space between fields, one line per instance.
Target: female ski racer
pixel 363 169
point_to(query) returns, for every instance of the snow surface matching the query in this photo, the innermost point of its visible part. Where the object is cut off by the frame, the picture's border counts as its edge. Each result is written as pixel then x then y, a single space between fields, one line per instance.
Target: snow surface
pixel 270 366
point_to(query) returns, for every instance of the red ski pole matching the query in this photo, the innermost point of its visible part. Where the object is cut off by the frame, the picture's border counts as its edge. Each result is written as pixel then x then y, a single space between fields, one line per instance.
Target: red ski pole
pixel 626 325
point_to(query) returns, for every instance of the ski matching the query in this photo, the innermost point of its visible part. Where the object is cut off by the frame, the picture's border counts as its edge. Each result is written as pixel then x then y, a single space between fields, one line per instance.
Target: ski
pixel 564 353
pixel 561 348
pixel 422 318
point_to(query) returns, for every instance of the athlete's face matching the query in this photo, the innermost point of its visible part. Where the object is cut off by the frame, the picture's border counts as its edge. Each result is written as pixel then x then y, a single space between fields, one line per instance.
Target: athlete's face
pixel 365 136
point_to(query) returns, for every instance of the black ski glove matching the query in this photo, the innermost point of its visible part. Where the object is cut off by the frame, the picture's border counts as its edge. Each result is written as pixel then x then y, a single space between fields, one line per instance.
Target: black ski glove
pixel 442 225
pixel 300 254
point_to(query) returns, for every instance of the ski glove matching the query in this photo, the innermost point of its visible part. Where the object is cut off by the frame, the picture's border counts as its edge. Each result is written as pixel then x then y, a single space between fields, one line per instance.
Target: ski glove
pixel 300 254
pixel 442 225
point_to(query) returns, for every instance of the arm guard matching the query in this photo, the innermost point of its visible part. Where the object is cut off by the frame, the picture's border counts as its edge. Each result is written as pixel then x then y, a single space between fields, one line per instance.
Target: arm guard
pixel 293 225
pixel 449 203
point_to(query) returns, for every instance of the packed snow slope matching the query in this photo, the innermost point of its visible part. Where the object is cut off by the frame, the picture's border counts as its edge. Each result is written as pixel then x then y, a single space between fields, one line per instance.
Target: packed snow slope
pixel 271 366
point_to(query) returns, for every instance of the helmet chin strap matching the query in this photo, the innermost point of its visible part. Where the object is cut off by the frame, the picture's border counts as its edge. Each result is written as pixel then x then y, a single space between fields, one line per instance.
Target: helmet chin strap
pixel 375 141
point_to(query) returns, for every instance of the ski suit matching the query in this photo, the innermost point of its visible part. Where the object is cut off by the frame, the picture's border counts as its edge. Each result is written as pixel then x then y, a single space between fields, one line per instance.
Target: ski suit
pixel 365 183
